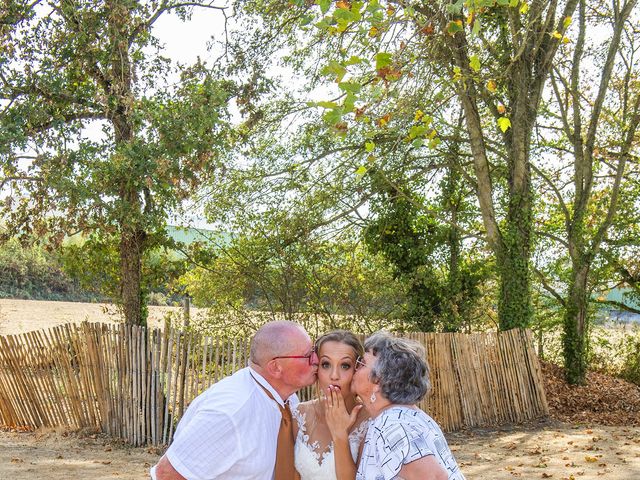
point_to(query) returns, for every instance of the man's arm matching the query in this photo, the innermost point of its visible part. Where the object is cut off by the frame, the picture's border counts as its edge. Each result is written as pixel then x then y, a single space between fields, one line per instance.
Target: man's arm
pixel 165 471
pixel 205 448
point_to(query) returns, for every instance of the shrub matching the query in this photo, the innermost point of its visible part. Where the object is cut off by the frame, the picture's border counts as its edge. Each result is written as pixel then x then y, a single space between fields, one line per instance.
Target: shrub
pixel 615 349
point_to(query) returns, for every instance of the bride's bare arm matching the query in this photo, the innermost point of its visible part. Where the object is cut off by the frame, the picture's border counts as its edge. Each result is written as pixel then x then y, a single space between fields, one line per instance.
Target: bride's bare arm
pixel 340 422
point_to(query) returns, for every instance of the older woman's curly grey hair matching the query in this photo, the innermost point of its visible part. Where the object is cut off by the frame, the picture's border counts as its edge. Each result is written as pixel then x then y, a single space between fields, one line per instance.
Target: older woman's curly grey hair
pixel 401 368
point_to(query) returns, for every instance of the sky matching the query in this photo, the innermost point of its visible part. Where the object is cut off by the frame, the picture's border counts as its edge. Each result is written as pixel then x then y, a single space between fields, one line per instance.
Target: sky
pixel 186 41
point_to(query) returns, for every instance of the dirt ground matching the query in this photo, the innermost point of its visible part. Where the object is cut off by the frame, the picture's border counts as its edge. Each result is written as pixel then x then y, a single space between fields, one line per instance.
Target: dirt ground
pixel 59 455
pixel 542 450
pixel 549 449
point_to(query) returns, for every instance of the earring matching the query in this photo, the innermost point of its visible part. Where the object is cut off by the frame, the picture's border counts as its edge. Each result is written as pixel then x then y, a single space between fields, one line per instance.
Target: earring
pixel 373 397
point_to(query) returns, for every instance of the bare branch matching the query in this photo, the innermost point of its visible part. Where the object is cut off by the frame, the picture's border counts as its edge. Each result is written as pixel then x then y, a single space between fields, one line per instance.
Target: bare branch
pixel 623 306
pixel 602 91
pixel 548 287
pixel 565 211
pixel 553 237
pixel 615 191
pixel 563 111
pixel 166 7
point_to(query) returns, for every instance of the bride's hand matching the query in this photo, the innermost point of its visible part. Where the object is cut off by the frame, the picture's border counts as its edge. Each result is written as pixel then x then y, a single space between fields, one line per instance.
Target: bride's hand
pixel 338 419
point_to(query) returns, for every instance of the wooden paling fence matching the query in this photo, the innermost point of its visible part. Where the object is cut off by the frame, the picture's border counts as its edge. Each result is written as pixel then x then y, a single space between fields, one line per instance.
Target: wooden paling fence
pixel 135 384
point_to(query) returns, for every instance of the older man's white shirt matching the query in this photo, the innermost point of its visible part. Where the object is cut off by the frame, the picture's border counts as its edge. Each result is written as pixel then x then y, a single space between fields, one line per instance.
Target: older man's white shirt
pixel 229 431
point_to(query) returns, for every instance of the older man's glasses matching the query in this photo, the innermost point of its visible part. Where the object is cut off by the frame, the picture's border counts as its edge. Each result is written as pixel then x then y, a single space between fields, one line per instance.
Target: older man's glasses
pixel 308 356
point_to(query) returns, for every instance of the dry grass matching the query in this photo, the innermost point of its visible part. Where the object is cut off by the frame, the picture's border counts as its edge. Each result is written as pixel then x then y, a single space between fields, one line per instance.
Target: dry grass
pixel 19 316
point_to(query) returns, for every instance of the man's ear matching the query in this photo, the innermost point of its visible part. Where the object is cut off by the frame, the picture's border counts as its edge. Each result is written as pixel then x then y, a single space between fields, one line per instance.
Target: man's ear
pixel 274 369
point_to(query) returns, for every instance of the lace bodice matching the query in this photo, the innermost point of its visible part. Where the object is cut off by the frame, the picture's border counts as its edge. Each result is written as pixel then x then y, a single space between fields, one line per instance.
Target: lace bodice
pixel 311 460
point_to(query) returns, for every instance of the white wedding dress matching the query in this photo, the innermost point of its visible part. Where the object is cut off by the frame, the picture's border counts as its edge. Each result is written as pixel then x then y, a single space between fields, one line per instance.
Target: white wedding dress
pixel 314 462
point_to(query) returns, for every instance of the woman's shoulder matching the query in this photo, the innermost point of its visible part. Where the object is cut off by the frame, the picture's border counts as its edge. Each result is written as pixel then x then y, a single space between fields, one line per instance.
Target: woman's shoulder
pixel 304 411
pixel 402 415
pixel 308 406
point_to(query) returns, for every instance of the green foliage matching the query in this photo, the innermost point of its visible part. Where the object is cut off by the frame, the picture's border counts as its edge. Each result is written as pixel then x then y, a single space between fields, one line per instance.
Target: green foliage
pixel 631 360
pixel 408 243
pixel 34 273
pixel 616 350
pixel 94 263
pixel 331 282
pixel 443 287
pixel 438 58
pixel 74 69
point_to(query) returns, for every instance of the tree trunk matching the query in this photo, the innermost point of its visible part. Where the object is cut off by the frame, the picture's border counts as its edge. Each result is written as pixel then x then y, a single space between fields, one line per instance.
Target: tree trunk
pixel 132 236
pixel 131 250
pixel 575 322
pixel 511 246
pixel 452 318
pixel 514 304
pixel 514 307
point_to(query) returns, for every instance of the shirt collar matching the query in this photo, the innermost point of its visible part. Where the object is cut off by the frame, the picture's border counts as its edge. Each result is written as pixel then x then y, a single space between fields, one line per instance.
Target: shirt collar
pixel 262 381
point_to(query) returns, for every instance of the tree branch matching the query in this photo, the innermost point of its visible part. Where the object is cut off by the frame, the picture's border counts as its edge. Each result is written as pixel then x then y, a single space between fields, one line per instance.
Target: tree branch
pixel 602 91
pixel 18 178
pixel 615 190
pixel 553 237
pixel 614 303
pixel 69 117
pixel 548 287
pixel 565 211
pixel 166 7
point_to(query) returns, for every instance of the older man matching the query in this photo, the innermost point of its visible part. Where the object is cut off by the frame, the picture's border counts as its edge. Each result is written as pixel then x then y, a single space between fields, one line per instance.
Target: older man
pixel 233 429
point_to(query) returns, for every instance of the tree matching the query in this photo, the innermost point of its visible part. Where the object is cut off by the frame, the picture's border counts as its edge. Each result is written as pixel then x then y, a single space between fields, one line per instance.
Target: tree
pixel 271 270
pixel 426 251
pixel 494 57
pixel 527 39
pixel 92 138
pixel 599 130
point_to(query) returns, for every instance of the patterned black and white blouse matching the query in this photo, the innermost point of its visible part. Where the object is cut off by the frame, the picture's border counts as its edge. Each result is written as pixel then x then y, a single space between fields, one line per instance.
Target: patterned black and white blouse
pixel 400 435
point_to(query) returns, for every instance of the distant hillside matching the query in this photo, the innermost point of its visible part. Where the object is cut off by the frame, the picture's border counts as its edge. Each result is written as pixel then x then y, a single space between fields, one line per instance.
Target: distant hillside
pixel 190 235
pixel 34 273
pixel 621 295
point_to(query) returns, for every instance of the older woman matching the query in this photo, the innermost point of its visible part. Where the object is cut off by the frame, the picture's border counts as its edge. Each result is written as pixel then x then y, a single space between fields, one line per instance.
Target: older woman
pixel 402 441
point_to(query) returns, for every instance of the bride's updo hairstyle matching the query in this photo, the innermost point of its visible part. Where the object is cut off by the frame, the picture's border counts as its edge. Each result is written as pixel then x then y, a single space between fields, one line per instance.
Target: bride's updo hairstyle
pixel 341 336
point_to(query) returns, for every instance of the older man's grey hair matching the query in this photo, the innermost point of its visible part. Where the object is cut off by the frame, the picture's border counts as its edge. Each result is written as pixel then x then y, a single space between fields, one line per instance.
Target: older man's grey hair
pixel 401 369
pixel 273 339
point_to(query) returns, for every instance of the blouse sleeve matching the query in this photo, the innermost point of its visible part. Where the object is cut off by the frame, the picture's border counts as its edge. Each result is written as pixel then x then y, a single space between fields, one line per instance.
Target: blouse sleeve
pixel 399 444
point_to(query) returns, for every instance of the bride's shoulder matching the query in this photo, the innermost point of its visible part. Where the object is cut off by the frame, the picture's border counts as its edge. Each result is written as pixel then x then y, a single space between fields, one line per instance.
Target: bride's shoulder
pixel 307 407
pixel 303 413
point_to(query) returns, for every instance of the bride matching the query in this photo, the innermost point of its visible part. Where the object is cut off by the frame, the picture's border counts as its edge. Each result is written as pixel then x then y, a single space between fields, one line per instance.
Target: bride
pixel 329 430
